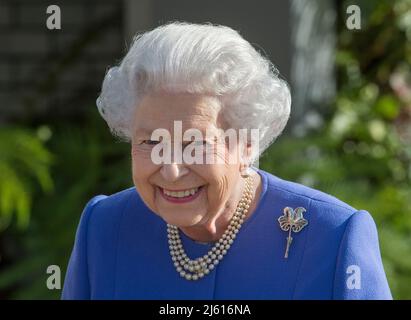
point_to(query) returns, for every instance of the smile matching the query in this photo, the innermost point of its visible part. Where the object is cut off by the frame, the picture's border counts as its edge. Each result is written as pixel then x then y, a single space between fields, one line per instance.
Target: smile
pixel 179 196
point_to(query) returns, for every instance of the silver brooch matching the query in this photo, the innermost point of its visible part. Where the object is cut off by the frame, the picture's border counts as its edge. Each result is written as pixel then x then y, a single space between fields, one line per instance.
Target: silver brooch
pixel 292 220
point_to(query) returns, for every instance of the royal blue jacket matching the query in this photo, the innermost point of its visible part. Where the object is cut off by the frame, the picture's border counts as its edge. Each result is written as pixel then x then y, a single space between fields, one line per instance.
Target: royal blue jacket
pixel 121 252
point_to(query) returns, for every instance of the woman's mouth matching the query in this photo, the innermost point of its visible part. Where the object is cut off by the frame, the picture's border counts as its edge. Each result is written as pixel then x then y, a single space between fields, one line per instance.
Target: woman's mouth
pixel 181 196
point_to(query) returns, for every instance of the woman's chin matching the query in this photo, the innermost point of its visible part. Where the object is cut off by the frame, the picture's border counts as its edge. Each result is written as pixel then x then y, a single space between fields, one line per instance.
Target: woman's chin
pixel 181 219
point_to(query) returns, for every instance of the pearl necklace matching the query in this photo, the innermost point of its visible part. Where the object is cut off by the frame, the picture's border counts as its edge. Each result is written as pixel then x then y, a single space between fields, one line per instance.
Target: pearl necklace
pixel 198 268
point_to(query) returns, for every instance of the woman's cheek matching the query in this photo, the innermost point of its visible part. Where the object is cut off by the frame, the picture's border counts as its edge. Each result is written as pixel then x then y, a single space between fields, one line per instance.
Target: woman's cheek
pixel 141 162
pixel 141 152
pixel 218 192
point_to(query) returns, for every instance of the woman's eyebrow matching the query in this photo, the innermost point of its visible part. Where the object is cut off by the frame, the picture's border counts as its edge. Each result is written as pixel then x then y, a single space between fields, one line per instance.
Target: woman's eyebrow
pixel 143 131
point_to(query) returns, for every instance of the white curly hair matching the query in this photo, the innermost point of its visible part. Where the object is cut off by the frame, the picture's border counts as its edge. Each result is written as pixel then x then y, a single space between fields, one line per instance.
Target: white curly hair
pixel 200 59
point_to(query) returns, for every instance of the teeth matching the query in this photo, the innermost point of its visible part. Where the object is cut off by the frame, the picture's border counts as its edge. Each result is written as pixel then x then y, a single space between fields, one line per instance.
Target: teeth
pixel 180 194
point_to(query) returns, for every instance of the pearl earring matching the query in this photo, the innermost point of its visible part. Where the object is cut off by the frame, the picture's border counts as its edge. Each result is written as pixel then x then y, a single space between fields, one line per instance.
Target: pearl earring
pixel 246 172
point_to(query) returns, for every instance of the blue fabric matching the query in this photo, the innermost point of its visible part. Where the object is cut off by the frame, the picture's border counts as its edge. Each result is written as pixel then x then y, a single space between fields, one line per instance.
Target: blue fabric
pixel 121 252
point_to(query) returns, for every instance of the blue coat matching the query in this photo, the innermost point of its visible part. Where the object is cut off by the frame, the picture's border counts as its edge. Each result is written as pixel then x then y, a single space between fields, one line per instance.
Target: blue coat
pixel 121 252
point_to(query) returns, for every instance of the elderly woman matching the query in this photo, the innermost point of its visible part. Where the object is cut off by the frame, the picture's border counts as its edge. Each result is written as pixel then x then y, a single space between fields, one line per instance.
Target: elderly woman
pixel 192 228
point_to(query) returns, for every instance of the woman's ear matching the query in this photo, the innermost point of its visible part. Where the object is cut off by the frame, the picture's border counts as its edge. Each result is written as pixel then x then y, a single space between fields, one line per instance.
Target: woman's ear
pixel 245 160
pixel 246 153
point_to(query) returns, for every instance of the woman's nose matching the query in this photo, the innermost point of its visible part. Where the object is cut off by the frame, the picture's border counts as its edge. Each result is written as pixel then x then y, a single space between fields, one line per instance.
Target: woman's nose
pixel 172 172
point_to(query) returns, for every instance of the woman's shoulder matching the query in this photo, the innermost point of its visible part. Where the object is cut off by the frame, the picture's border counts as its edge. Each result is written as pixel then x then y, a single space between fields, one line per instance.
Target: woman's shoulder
pixel 299 190
pixel 115 201
pixel 339 239
pixel 105 212
pixel 322 208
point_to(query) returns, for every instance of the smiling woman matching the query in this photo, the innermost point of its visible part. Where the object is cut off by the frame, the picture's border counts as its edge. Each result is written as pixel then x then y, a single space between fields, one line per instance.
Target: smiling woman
pixel 212 230
pixel 206 213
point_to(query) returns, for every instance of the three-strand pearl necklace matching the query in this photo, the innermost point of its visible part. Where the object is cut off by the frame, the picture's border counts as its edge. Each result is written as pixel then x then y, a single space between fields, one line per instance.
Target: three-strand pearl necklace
pixel 198 268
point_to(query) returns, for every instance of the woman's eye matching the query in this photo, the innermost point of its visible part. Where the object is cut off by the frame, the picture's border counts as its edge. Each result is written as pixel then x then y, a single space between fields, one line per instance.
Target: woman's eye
pixel 150 142
pixel 199 143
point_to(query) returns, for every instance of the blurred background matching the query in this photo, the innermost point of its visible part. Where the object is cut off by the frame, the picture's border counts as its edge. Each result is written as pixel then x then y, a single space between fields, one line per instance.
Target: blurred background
pixel 349 134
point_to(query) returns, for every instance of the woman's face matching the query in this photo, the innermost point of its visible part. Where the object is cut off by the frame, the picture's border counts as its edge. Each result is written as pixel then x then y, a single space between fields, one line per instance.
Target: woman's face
pixel 208 189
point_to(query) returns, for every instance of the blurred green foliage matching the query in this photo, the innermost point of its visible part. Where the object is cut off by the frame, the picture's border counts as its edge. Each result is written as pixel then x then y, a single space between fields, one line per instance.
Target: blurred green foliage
pixel 361 155
pixel 87 162
pixel 24 160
